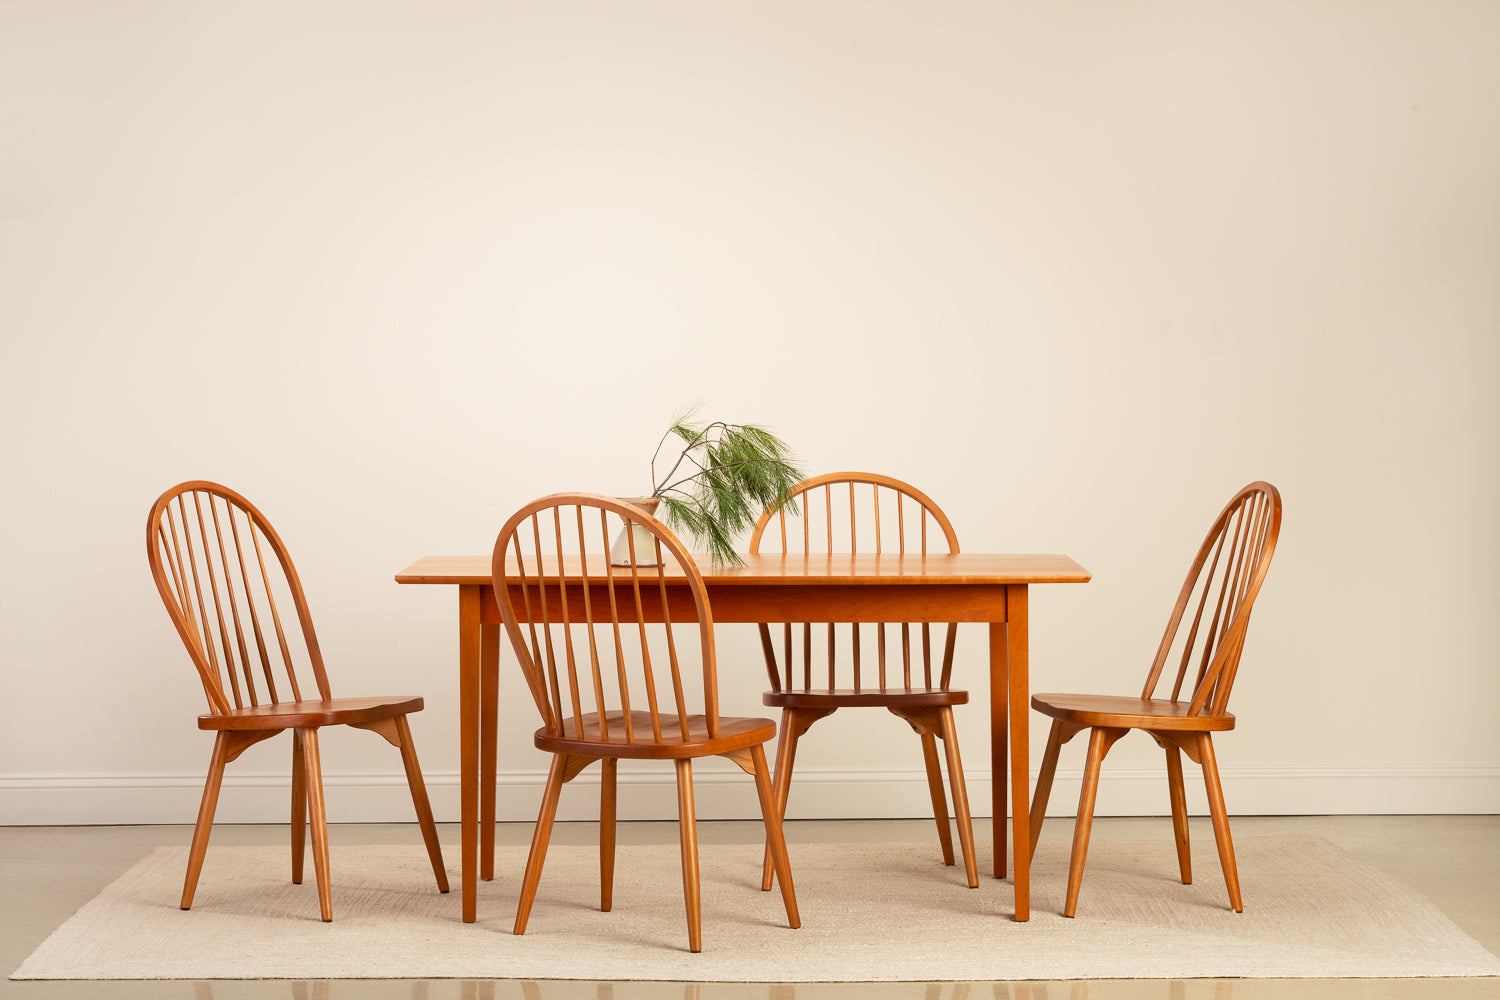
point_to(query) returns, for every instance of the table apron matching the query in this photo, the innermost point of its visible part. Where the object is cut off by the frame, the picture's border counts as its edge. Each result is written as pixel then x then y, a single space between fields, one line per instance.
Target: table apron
pixel 866 602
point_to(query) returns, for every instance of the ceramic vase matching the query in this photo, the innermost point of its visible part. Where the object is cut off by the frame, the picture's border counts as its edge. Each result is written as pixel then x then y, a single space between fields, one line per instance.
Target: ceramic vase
pixel 645 541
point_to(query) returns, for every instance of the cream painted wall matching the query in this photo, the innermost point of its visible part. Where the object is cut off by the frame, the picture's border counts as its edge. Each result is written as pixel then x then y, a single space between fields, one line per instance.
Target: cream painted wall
pixel 1079 271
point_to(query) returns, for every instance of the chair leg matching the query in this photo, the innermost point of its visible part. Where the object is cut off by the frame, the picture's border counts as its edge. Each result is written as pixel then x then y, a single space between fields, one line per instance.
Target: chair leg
pixel 607 834
pixel 205 817
pixel 1061 733
pixel 1100 740
pixel 687 827
pixel 935 790
pixel 786 756
pixel 317 816
pixel 420 801
pixel 299 811
pixel 539 838
pixel 1220 820
pixel 1179 814
pixel 775 835
pixel 1044 782
pixel 960 797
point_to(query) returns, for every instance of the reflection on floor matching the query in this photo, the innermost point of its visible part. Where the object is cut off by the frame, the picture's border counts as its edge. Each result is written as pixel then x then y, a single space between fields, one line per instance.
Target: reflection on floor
pixel 1221 989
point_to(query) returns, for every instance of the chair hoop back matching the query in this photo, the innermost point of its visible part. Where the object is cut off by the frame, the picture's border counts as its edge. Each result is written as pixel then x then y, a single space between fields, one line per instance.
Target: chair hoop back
pixel 1220 590
pixel 858 513
pixel 596 639
pixel 813 500
pixel 227 582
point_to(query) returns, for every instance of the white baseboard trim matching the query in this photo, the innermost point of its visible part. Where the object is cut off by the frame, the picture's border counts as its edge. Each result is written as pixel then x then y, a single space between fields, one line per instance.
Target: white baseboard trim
pixel 723 792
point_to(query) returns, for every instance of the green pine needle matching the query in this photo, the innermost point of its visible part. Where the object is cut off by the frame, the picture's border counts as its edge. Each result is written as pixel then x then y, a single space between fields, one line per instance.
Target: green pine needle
pixel 721 480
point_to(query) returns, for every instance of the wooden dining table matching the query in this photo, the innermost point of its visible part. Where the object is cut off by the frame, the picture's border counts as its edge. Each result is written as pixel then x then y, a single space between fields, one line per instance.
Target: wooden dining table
pixel 993 589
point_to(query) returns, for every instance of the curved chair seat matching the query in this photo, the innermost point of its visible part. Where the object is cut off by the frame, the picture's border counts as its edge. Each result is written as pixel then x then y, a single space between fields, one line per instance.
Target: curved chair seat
pixel 1111 712
pixel 865 698
pixel 734 734
pixel 311 714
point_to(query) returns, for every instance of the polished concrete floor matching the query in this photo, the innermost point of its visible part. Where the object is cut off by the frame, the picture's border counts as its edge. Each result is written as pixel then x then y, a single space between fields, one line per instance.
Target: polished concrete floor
pixel 47 873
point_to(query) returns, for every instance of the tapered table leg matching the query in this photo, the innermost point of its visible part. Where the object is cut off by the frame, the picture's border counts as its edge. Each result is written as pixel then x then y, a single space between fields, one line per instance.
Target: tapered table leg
pixel 999 712
pixel 469 631
pixel 489 713
pixel 1017 663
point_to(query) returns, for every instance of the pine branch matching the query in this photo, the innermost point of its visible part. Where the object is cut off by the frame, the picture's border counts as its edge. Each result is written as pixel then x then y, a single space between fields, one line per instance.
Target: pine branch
pixel 737 470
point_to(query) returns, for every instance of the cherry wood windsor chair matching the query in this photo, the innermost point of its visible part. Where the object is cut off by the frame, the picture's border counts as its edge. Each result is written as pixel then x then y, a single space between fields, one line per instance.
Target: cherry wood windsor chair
pixel 607 659
pixel 208 548
pixel 1221 588
pixel 808 683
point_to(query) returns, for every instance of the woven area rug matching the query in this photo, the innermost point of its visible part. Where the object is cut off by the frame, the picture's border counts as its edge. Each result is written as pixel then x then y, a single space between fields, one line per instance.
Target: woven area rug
pixel 870 912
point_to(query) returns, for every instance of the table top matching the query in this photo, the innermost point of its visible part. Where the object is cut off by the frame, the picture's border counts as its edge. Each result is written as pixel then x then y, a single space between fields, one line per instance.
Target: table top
pixel 961 568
